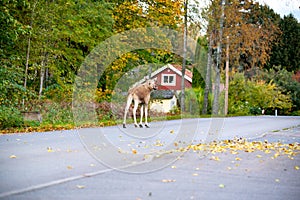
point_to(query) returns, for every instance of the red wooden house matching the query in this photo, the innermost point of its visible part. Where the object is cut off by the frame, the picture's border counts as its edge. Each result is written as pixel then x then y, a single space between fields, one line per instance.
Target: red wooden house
pixel 169 77
pixel 169 86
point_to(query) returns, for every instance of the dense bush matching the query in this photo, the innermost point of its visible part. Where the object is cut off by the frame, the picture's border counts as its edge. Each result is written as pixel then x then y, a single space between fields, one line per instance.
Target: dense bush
pixel 57 113
pixel 10 117
pixel 250 97
pixel 284 80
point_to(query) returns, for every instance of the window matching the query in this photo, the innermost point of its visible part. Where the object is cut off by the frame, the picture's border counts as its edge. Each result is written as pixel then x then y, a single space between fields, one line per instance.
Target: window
pixel 168 79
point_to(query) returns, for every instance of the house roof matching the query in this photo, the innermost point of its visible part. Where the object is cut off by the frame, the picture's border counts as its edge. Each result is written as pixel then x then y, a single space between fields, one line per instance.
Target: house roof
pixel 188 73
pixel 176 68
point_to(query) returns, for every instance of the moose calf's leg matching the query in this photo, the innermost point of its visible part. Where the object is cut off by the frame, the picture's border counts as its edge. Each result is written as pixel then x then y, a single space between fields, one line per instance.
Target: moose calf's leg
pixel 146 116
pixel 134 113
pixel 129 100
pixel 142 113
pixel 125 114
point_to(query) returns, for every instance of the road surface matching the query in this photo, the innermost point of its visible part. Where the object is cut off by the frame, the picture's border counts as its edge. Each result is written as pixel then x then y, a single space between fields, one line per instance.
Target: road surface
pixel 135 163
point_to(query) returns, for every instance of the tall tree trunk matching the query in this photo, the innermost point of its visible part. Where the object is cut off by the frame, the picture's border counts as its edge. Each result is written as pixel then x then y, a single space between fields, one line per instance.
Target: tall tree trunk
pixel 208 76
pixel 42 73
pixel 215 110
pixel 26 66
pixel 184 58
pixel 28 54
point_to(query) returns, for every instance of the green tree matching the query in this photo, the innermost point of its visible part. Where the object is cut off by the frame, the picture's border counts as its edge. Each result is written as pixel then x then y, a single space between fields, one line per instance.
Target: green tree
pixel 284 80
pixel 11 73
pixel 133 14
pixel 199 69
pixel 286 51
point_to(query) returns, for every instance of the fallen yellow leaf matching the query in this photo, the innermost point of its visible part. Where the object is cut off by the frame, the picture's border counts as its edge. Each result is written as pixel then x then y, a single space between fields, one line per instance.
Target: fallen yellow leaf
pixel 221 186
pixel 277 180
pixel 168 180
pixel 234 152
pixel 69 167
pixel 267 151
pixel 13 156
pixel 276 155
pixel 297 167
pixel 238 159
pixel 171 131
pixel 195 174
pixel 49 149
pixel 291 157
pixel 134 151
pixel 173 167
pixel 216 158
pixel 80 186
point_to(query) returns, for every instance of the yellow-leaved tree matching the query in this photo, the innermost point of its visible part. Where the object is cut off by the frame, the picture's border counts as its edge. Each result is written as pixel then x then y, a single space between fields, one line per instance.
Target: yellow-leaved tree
pixel 138 14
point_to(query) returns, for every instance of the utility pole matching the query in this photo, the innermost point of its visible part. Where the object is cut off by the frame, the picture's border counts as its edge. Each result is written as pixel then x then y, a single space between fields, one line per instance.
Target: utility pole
pixel 226 77
pixel 184 57
pixel 215 108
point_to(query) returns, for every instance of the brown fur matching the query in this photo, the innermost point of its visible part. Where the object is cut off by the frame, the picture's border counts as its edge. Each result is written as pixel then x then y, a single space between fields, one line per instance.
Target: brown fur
pixel 140 95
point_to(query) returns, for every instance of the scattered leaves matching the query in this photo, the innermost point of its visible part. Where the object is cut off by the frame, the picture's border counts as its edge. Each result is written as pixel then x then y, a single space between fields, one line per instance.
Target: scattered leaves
pixel 240 144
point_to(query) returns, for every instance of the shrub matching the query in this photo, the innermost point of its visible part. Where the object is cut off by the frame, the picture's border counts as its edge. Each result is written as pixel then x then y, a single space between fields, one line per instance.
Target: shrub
pixel 55 113
pixel 10 117
pixel 59 93
pixel 250 97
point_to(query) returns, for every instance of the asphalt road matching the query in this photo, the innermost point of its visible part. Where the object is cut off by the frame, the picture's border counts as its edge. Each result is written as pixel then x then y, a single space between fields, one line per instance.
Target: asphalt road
pixel 135 163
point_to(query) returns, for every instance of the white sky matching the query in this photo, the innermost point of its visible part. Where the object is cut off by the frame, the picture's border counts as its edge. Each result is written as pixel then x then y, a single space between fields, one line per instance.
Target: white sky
pixel 284 7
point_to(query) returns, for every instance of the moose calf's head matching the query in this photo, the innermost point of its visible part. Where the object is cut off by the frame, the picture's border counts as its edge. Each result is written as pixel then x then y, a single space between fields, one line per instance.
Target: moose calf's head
pixel 152 83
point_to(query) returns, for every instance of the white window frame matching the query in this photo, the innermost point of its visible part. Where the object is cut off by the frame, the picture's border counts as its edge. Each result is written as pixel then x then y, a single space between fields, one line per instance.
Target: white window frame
pixel 168 75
